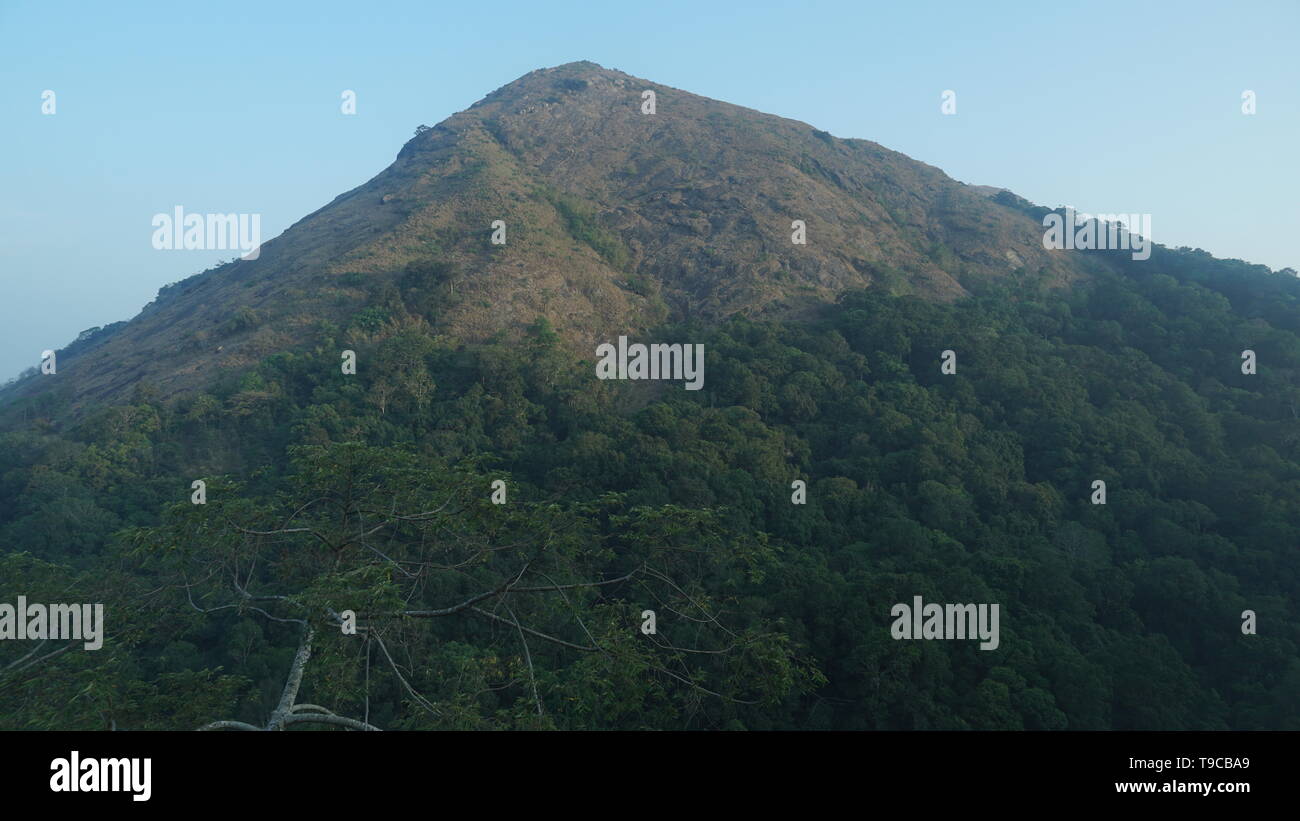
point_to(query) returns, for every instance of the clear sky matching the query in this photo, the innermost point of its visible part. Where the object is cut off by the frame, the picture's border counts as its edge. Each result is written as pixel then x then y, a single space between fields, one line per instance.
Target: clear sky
pixel 235 107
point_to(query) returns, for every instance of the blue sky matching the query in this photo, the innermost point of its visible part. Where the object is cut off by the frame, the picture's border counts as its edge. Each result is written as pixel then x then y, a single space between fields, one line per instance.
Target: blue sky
pixel 234 107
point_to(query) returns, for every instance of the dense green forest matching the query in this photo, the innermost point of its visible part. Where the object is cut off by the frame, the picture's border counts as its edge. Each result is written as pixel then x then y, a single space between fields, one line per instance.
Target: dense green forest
pixel 373 493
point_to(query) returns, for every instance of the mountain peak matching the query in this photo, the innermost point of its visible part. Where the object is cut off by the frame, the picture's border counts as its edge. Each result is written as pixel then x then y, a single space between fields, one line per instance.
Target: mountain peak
pixel 566 77
pixel 577 65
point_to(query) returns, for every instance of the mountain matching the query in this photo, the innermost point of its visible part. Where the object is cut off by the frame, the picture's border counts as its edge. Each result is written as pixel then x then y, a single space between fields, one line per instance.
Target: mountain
pixel 615 221
pixel 1111 471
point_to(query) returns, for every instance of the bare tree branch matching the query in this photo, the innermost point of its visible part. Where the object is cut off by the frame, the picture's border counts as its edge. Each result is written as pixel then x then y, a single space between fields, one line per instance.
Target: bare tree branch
pixel 504 587
pixel 532 632
pixel 301 718
pixel 230 725
pixel 291 685
pixel 528 657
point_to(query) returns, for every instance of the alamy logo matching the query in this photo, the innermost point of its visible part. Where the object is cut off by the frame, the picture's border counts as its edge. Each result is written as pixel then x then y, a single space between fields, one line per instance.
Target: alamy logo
pixel 53 621
pixel 179 231
pixel 1100 232
pixel 655 361
pixel 946 621
pixel 75 774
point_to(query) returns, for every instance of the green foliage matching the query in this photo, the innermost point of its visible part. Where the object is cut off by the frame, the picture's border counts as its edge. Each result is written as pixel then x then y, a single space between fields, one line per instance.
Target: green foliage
pixel 583 224
pixel 424 285
pixel 244 319
pixel 370 319
pixel 371 493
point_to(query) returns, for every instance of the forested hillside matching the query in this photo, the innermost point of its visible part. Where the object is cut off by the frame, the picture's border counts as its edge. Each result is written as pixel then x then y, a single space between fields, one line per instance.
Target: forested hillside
pixel 374 493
